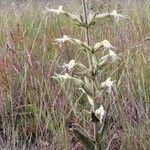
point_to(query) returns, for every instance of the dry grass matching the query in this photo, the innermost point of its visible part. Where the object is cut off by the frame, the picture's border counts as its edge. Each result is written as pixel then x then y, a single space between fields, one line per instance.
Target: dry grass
pixel 36 112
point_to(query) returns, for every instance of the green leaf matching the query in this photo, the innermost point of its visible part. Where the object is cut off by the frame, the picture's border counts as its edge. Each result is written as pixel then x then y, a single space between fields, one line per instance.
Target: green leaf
pixel 86 90
pixel 84 138
pixel 92 23
pixel 86 47
pixel 82 19
pixel 87 82
pixel 94 60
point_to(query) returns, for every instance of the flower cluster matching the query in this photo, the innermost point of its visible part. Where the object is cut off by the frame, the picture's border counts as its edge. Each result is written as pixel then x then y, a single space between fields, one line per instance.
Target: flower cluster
pixel 91 18
pixel 85 83
pixel 87 77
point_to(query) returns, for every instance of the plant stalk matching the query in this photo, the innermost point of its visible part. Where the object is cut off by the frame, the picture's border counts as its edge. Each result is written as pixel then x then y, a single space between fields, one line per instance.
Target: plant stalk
pixel 87 37
pixel 95 127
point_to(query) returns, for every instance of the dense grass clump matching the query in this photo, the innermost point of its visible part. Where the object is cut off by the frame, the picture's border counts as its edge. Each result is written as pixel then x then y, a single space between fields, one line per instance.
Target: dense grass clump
pixel 35 111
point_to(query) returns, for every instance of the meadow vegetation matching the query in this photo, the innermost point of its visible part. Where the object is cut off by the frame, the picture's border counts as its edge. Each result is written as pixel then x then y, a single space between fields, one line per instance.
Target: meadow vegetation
pixel 36 112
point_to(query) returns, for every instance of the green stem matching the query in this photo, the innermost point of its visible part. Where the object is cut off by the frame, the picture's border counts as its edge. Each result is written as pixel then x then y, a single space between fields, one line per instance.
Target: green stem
pixel 86 29
pixel 95 127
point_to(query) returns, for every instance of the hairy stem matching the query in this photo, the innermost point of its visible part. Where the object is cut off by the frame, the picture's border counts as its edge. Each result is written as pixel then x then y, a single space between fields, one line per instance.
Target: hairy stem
pixel 95 127
pixel 86 22
pixel 86 29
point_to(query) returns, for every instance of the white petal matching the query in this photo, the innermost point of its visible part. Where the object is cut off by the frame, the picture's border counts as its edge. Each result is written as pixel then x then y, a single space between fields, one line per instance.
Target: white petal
pixel 57 11
pixel 66 76
pixel 66 38
pixel 98 45
pixel 108 83
pixel 60 8
pixel 62 40
pixel 107 44
pixel 71 64
pixel 101 112
pixel 51 9
pixel 113 55
pixel 116 15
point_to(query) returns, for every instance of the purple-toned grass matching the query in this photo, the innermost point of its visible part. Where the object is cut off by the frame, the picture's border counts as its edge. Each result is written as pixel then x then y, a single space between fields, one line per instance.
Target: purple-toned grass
pixel 35 111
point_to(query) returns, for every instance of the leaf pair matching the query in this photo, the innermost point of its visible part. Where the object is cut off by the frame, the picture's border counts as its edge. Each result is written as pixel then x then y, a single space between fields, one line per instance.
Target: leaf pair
pixel 88 142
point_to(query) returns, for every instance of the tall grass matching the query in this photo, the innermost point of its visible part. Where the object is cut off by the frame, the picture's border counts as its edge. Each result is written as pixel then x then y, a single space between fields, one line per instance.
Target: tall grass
pixel 35 112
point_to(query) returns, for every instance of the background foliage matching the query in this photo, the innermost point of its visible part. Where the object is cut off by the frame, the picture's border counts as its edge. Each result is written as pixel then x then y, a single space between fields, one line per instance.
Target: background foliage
pixel 35 113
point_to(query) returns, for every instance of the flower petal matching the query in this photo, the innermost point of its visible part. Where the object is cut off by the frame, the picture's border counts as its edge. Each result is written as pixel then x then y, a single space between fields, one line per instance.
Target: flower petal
pixel 113 55
pixel 100 112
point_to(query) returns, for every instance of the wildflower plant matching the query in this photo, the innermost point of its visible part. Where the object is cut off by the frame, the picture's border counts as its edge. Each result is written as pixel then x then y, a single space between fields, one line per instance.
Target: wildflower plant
pixel 88 81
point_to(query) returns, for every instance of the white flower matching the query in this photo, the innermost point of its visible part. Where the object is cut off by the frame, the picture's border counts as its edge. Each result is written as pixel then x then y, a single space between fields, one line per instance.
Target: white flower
pixel 108 83
pixel 70 65
pixel 57 11
pixel 65 38
pixel 98 45
pixel 107 44
pixel 101 112
pixel 113 55
pixel 65 76
pixel 59 41
pixel 113 13
pixel 116 15
pixel 61 11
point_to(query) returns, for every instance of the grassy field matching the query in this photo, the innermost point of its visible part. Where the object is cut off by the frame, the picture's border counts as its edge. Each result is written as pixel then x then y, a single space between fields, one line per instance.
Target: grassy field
pixel 35 111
